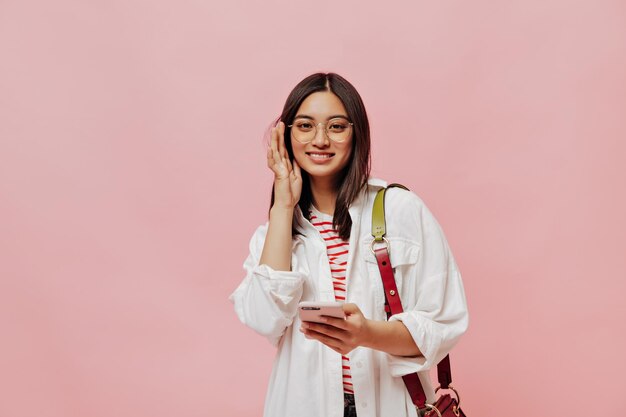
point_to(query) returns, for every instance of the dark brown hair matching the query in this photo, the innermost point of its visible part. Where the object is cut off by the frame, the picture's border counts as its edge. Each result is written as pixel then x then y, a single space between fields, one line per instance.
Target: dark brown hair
pixel 353 178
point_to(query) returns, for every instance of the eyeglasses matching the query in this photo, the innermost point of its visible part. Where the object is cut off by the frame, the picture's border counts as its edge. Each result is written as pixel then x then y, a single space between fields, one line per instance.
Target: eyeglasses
pixel 304 130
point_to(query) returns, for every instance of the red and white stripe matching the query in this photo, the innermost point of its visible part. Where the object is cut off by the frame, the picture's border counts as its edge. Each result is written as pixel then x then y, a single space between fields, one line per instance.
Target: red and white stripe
pixel 337 250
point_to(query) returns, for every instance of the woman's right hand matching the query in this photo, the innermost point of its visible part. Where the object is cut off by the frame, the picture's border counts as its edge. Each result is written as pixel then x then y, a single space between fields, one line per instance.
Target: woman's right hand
pixel 287 176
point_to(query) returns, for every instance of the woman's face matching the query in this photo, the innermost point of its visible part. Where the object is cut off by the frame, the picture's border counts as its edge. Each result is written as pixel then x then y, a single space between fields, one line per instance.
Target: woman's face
pixel 323 158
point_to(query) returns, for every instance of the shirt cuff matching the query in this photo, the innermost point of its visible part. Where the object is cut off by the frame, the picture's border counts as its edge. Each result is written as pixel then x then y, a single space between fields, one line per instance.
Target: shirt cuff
pixel 282 285
pixel 427 338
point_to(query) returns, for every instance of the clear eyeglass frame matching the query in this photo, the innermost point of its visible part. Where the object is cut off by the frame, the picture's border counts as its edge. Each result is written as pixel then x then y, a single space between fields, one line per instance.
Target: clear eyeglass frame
pixel 307 134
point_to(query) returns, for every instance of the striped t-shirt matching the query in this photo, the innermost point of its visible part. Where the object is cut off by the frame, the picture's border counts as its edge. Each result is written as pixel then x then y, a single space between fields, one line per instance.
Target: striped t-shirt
pixel 337 250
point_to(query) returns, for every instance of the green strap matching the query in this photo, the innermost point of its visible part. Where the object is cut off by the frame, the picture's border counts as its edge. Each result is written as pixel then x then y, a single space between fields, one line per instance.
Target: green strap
pixel 378 213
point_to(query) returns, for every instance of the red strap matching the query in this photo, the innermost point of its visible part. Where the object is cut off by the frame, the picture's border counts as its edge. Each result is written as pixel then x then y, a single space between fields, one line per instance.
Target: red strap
pixel 393 305
pixel 392 298
pixel 416 391
pixel 444 373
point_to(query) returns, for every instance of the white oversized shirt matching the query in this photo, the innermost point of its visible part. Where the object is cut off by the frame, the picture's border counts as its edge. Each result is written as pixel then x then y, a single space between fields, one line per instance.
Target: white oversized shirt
pixel 306 378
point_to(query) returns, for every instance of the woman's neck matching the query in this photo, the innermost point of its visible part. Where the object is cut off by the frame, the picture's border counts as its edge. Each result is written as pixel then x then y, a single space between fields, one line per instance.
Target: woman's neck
pixel 324 195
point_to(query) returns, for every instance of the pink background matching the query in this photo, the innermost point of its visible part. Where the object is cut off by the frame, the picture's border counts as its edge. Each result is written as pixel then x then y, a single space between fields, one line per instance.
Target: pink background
pixel 132 175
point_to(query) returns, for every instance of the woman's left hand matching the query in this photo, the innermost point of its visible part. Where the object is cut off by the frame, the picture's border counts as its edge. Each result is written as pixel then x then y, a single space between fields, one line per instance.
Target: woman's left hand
pixel 341 335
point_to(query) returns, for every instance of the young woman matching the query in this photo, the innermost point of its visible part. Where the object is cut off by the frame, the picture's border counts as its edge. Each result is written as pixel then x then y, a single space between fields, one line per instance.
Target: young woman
pixel 316 247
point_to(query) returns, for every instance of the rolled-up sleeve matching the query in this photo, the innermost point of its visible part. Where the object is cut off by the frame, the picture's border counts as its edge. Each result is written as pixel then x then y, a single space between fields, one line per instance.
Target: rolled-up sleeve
pixel 435 305
pixel 267 300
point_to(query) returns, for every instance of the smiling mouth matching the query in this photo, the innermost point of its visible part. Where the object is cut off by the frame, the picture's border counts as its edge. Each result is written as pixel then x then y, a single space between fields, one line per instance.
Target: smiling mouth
pixel 320 155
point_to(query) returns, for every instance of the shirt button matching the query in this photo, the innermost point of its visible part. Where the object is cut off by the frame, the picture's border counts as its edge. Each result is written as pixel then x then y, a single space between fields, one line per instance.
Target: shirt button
pixel 364 404
pixel 359 364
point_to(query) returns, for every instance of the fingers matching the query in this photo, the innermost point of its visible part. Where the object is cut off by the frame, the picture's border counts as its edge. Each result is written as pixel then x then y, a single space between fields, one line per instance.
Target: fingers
pixel 332 336
pixel 324 338
pixel 350 308
pixel 274 139
pixel 274 160
pixel 289 166
pixel 336 322
pixel 270 147
pixel 282 149
pixel 296 170
pixel 325 329
pixel 280 131
pixel 277 156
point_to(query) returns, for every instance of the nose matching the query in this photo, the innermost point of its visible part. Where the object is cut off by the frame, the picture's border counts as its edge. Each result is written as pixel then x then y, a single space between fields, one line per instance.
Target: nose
pixel 320 140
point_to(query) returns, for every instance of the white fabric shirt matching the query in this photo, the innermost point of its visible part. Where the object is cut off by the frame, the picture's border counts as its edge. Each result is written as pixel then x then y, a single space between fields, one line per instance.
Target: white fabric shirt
pixel 306 378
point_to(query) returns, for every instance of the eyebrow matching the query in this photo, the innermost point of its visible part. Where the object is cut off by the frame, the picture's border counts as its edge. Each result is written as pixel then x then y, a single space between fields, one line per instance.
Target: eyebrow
pixel 304 116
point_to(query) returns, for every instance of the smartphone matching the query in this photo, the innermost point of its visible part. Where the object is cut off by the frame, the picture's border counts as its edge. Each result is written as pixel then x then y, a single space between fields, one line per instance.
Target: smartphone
pixel 314 310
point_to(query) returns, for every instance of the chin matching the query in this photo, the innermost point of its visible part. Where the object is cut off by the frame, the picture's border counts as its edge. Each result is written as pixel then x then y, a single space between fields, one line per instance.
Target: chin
pixel 322 173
